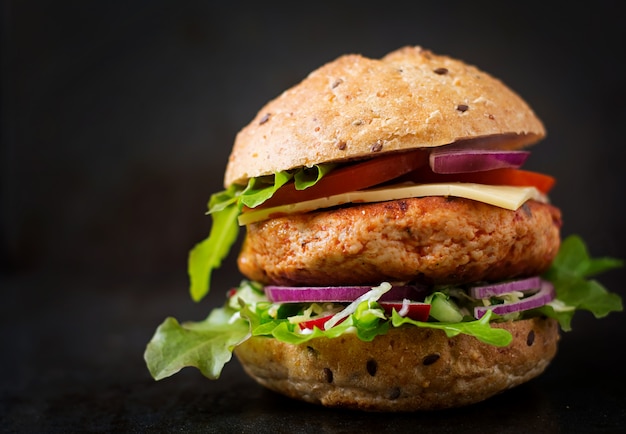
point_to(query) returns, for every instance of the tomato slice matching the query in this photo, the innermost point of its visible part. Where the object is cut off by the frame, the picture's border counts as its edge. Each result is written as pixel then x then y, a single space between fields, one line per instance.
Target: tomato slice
pixel 356 176
pixel 408 166
pixel 513 177
pixel 415 310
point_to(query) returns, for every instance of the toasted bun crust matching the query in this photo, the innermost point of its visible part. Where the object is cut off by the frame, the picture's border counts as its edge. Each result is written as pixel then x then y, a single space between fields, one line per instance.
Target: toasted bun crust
pixel 408 369
pixel 356 106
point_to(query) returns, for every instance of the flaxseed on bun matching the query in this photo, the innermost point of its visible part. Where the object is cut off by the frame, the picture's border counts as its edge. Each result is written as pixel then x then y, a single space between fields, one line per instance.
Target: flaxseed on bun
pixel 396 255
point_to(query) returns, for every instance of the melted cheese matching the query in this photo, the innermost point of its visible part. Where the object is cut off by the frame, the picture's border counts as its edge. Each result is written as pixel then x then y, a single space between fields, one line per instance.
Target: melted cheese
pixel 503 196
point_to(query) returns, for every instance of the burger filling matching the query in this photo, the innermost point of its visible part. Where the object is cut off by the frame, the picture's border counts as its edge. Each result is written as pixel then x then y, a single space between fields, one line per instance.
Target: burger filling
pixel 327 277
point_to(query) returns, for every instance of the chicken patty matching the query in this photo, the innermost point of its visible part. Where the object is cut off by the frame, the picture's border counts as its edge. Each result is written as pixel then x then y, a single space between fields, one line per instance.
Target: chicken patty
pixel 430 240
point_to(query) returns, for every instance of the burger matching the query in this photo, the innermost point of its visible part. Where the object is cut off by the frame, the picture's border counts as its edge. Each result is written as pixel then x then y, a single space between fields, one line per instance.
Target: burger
pixel 396 256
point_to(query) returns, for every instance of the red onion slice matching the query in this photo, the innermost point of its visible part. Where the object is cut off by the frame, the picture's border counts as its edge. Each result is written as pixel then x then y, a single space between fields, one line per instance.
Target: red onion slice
pixel 545 295
pixel 475 160
pixel 312 294
pixel 486 291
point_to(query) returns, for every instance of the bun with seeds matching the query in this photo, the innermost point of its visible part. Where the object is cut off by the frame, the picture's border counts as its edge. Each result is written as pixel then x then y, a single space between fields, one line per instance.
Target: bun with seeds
pixel 396 255
pixel 356 107
pixel 407 369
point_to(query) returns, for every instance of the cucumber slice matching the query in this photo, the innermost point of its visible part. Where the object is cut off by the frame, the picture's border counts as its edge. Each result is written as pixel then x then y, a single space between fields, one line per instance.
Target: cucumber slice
pixel 443 309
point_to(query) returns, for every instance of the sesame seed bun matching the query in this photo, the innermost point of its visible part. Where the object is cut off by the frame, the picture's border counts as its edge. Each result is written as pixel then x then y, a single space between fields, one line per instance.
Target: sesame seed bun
pixel 355 107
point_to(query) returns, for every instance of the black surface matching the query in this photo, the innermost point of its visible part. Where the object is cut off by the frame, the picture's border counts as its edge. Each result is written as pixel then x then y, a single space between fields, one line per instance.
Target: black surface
pixel 117 120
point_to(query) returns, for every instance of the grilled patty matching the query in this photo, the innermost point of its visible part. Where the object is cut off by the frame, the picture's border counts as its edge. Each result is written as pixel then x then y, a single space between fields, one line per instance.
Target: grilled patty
pixel 431 240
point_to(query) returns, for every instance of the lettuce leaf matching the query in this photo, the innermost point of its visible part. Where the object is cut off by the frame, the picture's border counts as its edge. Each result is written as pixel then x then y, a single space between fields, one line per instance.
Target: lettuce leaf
pixel 286 332
pixel 209 254
pixel 206 345
pixel 570 273
pixel 224 208
pixel 261 189
pixel 306 178
pixel 480 329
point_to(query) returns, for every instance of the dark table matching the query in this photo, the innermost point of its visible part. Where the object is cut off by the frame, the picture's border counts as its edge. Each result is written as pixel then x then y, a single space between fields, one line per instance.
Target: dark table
pixel 72 350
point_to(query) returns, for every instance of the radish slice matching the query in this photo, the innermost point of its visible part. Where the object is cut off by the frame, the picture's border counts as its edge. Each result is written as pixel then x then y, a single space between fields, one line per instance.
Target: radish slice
pixel 475 160
pixel 318 322
pixel 486 291
pixel 545 295
pixel 311 294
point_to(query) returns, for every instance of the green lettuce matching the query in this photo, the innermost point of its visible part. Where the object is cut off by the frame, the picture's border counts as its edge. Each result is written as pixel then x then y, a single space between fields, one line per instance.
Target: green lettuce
pixel 570 273
pixel 284 331
pixel 207 345
pixel 225 207
pixel 209 254
pixel 480 329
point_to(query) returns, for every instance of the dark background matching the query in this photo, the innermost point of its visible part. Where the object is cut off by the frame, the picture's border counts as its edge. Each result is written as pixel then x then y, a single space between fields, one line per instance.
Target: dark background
pixel 117 119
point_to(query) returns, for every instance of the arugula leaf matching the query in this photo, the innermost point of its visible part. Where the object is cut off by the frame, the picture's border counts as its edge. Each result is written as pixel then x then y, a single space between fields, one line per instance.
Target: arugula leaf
pixel 206 345
pixel 569 273
pixel 209 254
pixel 480 329
pixel 574 261
pixel 552 310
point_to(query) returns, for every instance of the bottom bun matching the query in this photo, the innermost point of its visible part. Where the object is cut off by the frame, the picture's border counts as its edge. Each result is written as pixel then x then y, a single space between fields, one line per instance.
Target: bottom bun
pixel 408 369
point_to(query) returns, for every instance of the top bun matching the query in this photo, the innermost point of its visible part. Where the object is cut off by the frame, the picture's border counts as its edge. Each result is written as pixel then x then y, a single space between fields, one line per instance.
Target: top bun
pixel 354 107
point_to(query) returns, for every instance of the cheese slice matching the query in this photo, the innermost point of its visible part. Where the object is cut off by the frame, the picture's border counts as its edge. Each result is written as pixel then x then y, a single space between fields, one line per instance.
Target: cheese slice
pixel 503 196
